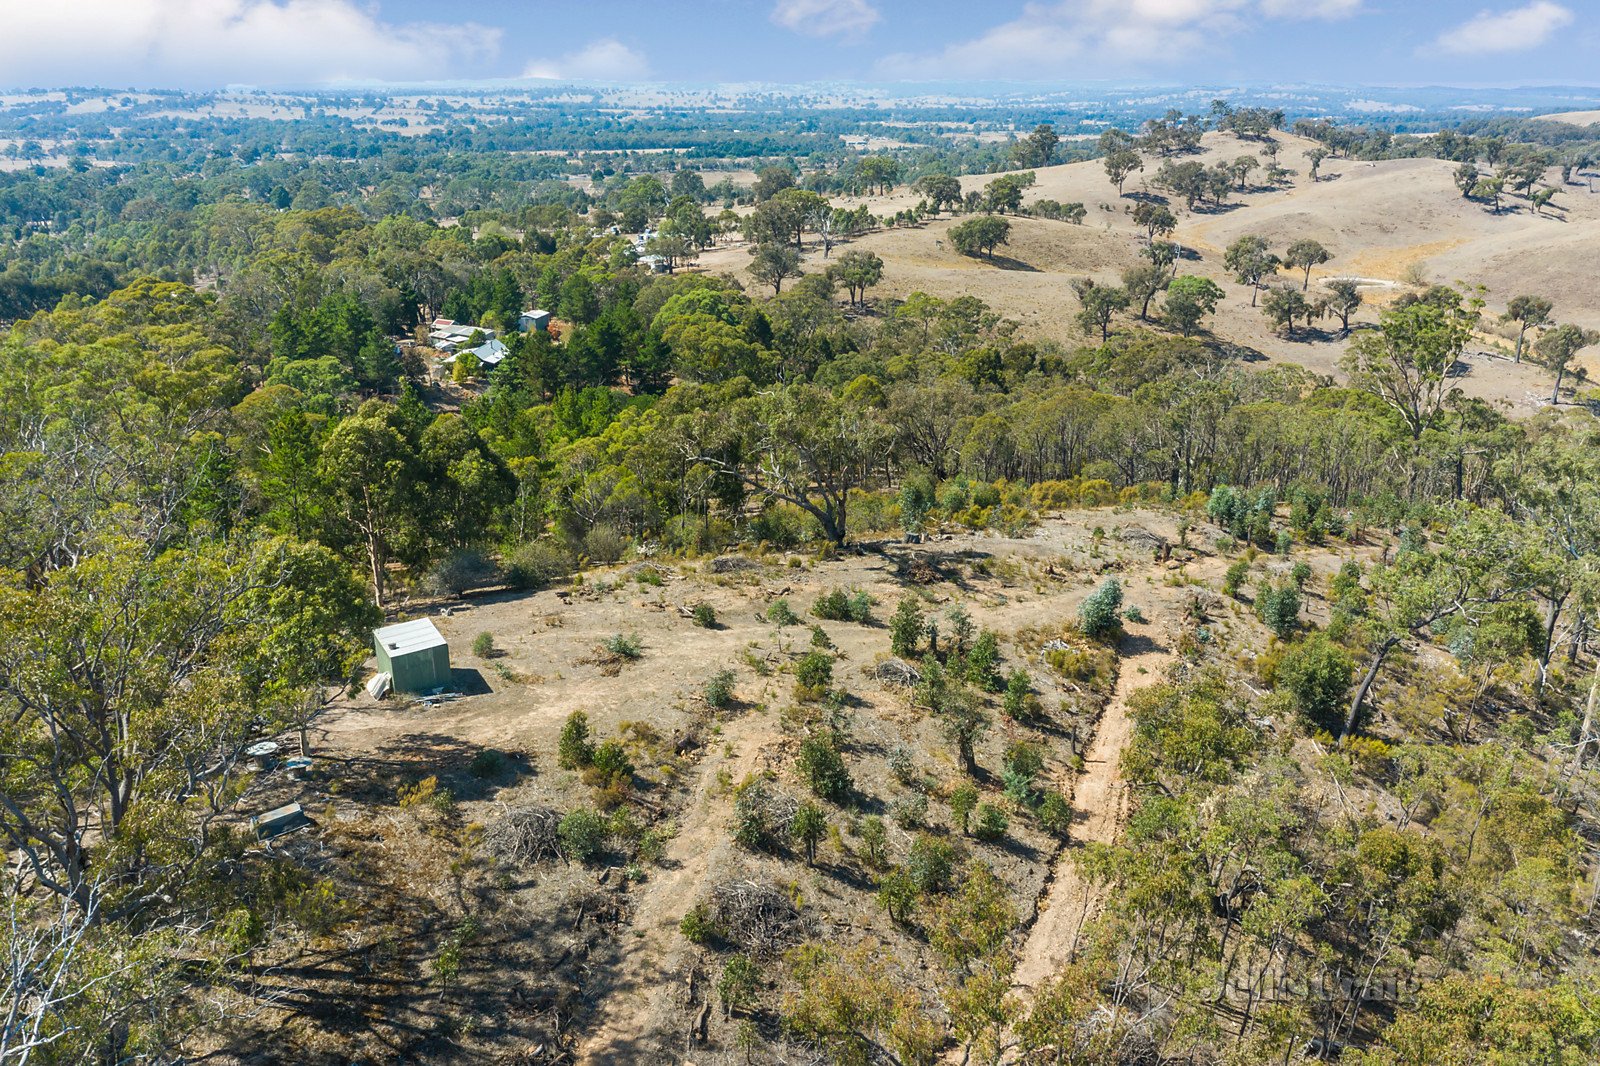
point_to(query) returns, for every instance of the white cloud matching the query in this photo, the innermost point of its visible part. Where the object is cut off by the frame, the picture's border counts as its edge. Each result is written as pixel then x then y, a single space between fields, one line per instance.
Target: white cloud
pixel 216 42
pixel 1516 30
pixel 607 59
pixel 1072 39
pixel 826 18
pixel 1310 9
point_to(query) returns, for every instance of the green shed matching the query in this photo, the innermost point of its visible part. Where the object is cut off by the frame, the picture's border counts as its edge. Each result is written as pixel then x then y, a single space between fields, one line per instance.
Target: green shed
pixel 414 655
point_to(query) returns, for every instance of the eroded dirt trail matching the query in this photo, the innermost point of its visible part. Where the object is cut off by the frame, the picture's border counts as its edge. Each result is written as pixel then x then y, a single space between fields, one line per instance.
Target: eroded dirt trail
pixel 640 996
pixel 1099 805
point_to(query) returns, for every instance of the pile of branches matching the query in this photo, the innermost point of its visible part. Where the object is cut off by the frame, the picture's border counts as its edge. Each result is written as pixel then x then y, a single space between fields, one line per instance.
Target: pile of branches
pixel 758 916
pixel 524 835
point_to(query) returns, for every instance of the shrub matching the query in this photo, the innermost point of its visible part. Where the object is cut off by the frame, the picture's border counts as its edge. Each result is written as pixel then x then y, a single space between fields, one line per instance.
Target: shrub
pixel 930 863
pixel 610 765
pixel 574 750
pixel 910 811
pixel 962 802
pixel 991 822
pixel 1278 607
pixel 1099 616
pixel 820 639
pixel 761 815
pixel 487 763
pixel 781 614
pixel 583 835
pixel 705 615
pixel 1055 814
pixel 462 571
pixel 874 837
pixel 483 645
pixel 810 825
pixel 1300 573
pixel 719 689
pixel 1317 674
pixel 841 605
pixel 628 646
pixel 738 984
pixel 820 763
pixel 697 925
pixel 1020 702
pixel 1233 580
pixel 536 563
pixel 982 661
pixel 813 674
pixel 649 575
pixel 905 628
pixel 605 544
pixel 901 766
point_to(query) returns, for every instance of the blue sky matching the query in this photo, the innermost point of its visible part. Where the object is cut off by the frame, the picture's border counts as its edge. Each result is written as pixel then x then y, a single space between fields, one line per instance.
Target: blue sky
pixel 199 43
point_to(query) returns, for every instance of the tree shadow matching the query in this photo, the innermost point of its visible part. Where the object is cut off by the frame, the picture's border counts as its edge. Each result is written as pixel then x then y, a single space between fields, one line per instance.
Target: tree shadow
pixel 1006 262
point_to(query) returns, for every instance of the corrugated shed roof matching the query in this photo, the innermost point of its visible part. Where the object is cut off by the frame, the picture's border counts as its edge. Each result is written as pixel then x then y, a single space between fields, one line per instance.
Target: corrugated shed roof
pixel 407 637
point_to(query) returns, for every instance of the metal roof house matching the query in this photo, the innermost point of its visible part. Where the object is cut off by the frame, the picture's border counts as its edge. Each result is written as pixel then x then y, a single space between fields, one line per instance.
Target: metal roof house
pixel 414 655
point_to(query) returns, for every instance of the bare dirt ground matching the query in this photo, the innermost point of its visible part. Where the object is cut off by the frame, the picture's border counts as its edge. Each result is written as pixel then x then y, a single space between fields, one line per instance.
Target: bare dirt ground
pixel 636 982
pixel 1386 223
pixel 1099 806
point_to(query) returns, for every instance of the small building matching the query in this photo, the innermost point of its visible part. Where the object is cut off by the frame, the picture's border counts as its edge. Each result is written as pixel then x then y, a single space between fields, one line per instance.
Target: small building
pixel 535 321
pixel 414 655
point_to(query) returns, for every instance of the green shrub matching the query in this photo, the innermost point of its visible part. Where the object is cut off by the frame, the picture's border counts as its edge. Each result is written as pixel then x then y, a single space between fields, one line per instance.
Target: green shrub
pixel 983 660
pixel 487 763
pixel 930 864
pixel 1233 580
pixel 814 673
pixel 910 811
pixel 574 751
pixel 1055 814
pixel 1020 700
pixel 760 815
pixel 583 835
pixel 1100 614
pixel 1278 607
pixel 605 544
pixel 628 646
pixel 874 837
pixel 483 645
pixel 719 690
pixel 780 614
pixel 649 575
pixel 705 615
pixel 1300 573
pixel 737 986
pixel 963 800
pixel 697 925
pixel 536 564
pixel 990 822
pixel 1317 674
pixel 841 605
pixel 610 765
pixel 820 763
pixel 905 628
pixel 462 571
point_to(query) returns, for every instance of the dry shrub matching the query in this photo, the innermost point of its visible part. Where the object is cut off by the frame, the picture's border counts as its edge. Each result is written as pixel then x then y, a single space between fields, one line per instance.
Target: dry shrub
pixel 524 835
pixel 758 916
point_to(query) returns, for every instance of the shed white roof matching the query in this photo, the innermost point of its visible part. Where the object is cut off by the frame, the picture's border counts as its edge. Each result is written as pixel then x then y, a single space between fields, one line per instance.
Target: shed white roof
pixel 407 637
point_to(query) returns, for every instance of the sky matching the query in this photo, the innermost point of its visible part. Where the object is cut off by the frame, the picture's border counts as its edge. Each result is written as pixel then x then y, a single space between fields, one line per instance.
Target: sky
pixel 314 43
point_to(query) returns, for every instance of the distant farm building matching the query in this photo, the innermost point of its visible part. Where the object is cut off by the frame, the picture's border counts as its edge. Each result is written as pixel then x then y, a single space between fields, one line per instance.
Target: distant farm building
pixel 534 321
pixel 414 655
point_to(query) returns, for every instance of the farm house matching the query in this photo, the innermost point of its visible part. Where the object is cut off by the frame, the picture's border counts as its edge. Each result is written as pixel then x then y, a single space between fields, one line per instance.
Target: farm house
pixel 414 655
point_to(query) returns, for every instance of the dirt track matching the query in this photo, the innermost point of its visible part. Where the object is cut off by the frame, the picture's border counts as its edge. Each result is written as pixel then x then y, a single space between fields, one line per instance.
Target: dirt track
pixel 1099 806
